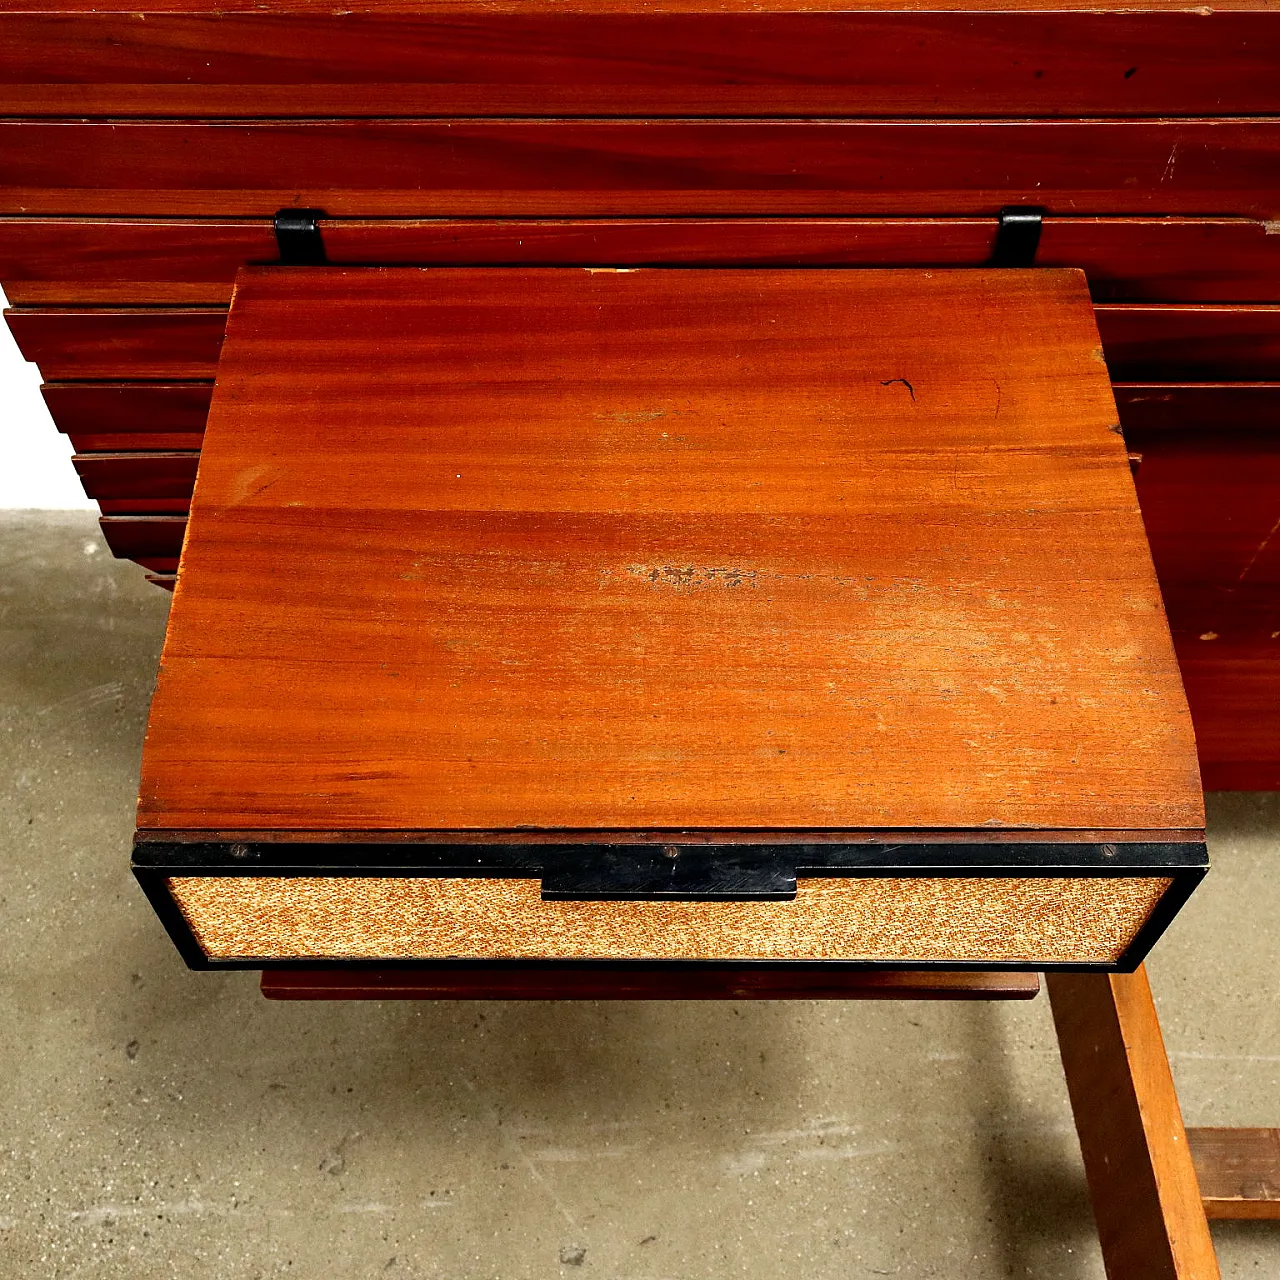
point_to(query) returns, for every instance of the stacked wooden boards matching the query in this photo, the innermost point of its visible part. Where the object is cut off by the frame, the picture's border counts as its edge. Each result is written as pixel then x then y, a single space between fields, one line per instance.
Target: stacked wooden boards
pixel 143 151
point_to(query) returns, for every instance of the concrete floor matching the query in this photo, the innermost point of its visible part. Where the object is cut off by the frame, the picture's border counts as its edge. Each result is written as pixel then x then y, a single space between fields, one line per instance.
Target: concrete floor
pixel 160 1123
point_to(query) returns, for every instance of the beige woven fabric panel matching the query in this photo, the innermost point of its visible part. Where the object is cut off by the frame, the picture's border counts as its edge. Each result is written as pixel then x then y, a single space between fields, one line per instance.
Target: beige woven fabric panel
pixel 985 919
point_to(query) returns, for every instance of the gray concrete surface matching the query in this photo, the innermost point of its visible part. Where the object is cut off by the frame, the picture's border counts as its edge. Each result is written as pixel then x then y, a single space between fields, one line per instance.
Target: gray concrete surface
pixel 161 1123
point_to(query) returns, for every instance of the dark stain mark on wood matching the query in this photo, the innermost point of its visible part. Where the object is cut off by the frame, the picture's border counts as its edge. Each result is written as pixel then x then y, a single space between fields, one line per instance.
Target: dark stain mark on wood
pixel 888 382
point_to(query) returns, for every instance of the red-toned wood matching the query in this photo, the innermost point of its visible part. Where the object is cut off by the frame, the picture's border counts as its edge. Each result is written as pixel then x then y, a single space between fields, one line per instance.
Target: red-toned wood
pixel 122 260
pixel 1147 408
pixel 138 260
pixel 607 167
pixel 136 476
pixel 165 581
pixel 471 60
pixel 155 542
pixel 1233 687
pixel 124 416
pixel 1191 343
pixel 120 342
pixel 639 982
pixel 601 419
pixel 1146 1200
pixel 1211 506
pixel 1152 342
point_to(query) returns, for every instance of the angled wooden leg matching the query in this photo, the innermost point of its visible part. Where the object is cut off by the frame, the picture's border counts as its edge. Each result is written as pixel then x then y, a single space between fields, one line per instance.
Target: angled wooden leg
pixel 1146 1199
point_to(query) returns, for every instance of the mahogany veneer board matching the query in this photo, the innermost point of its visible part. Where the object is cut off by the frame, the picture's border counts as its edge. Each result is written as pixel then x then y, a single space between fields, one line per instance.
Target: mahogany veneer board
pixel 722 615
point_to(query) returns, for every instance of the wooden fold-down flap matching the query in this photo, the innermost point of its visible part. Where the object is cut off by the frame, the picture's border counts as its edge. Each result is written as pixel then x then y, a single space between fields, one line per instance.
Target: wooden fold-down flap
pixel 700 564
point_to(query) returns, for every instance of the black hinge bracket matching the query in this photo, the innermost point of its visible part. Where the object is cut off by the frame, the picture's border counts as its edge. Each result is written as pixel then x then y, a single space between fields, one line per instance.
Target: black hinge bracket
pixel 688 872
pixel 298 237
pixel 1017 237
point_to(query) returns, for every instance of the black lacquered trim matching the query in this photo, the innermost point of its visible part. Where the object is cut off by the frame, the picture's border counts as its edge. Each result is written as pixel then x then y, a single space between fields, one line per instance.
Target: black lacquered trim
pixel 540 860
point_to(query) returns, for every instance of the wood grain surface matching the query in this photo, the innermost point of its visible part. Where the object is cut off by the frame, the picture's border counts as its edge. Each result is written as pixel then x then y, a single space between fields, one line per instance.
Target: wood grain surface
pixel 1146 1200
pixel 481 61
pixel 1238 1170
pixel 150 261
pixel 584 549
pixel 1148 342
pixel 416 168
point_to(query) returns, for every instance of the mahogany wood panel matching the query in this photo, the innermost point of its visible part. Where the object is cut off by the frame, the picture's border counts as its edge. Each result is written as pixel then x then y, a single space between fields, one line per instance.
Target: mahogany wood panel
pixel 131 477
pixel 1238 1170
pixel 616 167
pixel 634 520
pixel 165 581
pixel 1148 409
pixel 124 416
pixel 120 342
pixel 1146 1201
pixel 155 542
pixel 471 60
pixel 124 260
pixel 1149 342
pixel 121 416
pixel 1211 505
pixel 1234 691
pixel 636 982
pixel 1191 343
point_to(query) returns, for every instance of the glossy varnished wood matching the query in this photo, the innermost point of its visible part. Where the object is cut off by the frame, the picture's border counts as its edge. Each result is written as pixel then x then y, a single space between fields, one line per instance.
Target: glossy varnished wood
pixel 110 416
pixel 1191 343
pixel 73 261
pixel 474 60
pixel 784 550
pixel 635 982
pixel 120 342
pixel 404 168
pixel 1150 410
pixel 1149 342
pixel 129 478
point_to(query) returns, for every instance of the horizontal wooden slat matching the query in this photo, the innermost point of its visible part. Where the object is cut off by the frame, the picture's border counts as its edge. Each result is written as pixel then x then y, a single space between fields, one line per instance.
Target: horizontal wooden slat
pixel 616 167
pixel 157 342
pixel 124 416
pixel 1234 693
pixel 131 477
pixel 1238 1171
pixel 121 260
pixel 1191 343
pixel 640 982
pixel 119 416
pixel 155 542
pixel 165 581
pixel 1142 342
pixel 482 63
pixel 1147 408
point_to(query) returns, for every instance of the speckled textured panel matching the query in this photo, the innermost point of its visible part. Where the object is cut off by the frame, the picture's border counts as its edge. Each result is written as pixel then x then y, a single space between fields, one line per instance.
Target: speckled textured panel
pixel 996 919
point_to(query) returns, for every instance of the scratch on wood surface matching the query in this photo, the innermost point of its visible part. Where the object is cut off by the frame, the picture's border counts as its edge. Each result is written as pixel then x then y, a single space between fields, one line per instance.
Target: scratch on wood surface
pixel 1262 546
pixel 1171 163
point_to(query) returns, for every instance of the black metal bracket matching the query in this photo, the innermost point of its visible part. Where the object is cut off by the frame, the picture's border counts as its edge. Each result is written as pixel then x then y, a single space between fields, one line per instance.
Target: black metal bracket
pixel 1018 237
pixel 689 872
pixel 298 237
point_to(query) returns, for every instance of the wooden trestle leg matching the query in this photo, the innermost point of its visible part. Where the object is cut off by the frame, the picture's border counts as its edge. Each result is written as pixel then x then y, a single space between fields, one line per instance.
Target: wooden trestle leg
pixel 1146 1199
